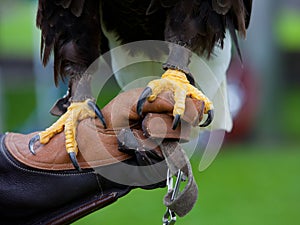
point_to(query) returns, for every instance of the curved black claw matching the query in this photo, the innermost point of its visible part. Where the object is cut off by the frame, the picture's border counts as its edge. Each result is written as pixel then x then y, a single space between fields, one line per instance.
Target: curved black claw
pixel 210 117
pixel 98 112
pixel 176 121
pixel 74 161
pixel 142 99
pixel 32 141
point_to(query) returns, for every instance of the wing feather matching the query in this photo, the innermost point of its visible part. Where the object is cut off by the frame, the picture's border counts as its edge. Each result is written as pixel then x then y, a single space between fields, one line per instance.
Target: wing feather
pixel 248 8
pixel 221 6
pixel 210 19
pixel 155 5
pixel 70 29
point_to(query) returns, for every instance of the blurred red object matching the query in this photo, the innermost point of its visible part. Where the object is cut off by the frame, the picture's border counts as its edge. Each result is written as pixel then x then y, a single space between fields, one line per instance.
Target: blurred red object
pixel 243 94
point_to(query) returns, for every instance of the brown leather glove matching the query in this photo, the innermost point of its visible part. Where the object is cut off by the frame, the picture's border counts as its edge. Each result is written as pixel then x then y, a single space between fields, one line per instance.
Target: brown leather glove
pixel 99 146
pixel 46 189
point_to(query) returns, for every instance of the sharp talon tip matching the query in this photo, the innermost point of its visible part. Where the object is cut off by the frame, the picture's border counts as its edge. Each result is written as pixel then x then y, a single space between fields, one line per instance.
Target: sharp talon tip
pixel 210 117
pixel 74 161
pixel 142 99
pixel 176 122
pixel 32 142
pixel 98 112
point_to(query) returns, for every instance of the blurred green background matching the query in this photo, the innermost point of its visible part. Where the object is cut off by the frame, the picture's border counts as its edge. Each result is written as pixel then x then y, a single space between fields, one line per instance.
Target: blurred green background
pixel 254 180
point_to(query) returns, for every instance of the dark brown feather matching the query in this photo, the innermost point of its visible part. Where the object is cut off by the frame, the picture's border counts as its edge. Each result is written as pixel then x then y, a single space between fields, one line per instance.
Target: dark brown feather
pixel 210 20
pixel 128 19
pixel 248 8
pixel 71 29
pixel 64 3
pixel 155 5
pixel 221 6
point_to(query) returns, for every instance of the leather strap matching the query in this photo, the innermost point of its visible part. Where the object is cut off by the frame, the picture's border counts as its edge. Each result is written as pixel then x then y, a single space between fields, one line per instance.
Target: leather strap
pixel 173 154
pixel 177 160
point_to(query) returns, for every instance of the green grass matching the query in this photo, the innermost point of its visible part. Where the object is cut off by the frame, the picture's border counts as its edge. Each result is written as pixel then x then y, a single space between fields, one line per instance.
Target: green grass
pixel 20 103
pixel 290 111
pixel 17 27
pixel 249 186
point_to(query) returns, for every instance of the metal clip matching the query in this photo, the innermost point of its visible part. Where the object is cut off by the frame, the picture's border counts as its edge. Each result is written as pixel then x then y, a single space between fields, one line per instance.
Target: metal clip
pixel 169 217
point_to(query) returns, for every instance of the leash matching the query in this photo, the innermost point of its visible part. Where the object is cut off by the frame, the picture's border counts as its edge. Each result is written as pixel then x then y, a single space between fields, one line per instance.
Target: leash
pixel 178 203
pixel 169 217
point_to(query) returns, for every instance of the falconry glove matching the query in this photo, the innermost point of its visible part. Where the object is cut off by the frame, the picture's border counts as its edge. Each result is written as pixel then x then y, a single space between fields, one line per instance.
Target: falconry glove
pixel 129 153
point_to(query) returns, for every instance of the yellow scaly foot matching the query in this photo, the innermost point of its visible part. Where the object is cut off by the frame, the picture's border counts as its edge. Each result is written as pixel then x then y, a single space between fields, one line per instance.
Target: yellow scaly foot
pixel 175 81
pixel 68 122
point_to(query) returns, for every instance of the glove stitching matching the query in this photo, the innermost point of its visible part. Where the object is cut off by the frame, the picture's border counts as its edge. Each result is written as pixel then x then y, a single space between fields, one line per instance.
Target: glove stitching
pixel 62 174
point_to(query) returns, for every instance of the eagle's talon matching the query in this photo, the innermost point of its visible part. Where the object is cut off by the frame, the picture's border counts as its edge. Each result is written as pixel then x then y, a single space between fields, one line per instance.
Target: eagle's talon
pixel 32 142
pixel 176 121
pixel 210 117
pixel 177 82
pixel 142 99
pixel 68 122
pixel 98 112
pixel 74 161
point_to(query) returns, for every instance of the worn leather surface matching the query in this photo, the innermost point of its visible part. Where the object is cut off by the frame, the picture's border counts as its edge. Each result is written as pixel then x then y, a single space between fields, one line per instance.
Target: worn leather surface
pixel 159 126
pixel 96 148
pixel 99 146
